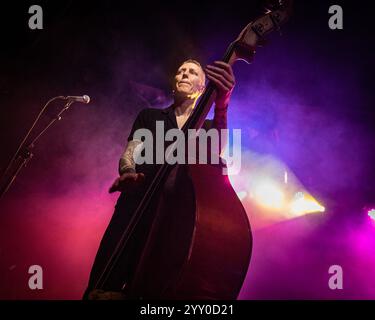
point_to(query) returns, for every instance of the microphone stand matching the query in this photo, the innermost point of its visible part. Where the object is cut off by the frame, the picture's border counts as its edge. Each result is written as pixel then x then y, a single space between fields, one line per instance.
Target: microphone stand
pixel 24 154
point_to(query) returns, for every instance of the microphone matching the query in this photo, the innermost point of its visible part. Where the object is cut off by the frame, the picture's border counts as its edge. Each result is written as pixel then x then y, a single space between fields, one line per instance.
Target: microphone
pixel 82 99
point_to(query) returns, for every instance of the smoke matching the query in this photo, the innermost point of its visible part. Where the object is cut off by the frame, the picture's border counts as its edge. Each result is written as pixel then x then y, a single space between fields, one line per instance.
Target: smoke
pixel 297 103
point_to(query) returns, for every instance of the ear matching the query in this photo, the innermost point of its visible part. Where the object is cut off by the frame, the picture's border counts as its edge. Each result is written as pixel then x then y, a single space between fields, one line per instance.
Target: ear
pixel 202 84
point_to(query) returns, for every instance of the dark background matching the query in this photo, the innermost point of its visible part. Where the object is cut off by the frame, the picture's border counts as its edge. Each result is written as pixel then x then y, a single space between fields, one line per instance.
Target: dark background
pixel 313 86
pixel 99 48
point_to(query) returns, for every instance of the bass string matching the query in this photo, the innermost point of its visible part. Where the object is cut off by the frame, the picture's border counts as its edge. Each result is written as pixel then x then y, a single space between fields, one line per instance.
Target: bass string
pixel 156 182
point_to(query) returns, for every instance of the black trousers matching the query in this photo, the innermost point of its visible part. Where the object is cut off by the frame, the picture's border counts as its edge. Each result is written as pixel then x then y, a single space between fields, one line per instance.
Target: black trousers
pixel 175 203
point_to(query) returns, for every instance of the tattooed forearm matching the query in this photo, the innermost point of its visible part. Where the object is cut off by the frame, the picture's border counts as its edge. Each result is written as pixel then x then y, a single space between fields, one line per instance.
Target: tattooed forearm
pixel 127 163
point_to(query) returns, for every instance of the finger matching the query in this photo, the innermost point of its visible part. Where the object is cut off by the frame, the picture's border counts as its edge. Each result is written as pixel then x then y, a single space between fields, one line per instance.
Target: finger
pixel 219 85
pixel 220 82
pixel 225 81
pixel 129 176
pixel 116 183
pixel 225 65
pixel 139 179
pixel 222 72
pixel 112 189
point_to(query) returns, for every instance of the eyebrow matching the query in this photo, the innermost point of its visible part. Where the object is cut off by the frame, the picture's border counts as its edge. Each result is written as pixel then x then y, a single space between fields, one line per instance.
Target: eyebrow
pixel 190 69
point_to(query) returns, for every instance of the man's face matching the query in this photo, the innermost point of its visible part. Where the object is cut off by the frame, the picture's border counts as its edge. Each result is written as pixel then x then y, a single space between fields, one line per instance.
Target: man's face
pixel 189 80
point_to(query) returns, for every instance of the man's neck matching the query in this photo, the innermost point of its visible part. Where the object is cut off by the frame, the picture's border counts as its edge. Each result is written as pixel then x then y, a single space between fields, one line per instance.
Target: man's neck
pixel 184 107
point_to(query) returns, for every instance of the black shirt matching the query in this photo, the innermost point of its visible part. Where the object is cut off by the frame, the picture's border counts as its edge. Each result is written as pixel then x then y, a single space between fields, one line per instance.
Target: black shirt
pixel 176 197
pixel 146 119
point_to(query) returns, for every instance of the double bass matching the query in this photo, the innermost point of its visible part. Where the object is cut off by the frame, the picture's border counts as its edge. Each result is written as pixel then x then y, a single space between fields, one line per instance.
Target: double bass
pixel 203 250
